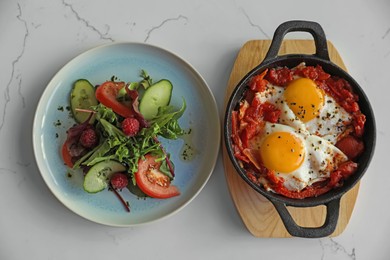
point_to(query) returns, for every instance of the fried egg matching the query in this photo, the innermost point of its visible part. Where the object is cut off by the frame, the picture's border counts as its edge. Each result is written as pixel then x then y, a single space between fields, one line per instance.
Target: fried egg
pixel 299 157
pixel 306 107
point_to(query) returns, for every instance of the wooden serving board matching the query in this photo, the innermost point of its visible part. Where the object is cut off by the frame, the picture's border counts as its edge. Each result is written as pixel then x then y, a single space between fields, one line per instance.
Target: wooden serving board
pixel 256 212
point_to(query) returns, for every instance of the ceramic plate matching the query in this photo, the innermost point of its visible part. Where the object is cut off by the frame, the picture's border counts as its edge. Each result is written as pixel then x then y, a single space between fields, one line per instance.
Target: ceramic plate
pixel 125 61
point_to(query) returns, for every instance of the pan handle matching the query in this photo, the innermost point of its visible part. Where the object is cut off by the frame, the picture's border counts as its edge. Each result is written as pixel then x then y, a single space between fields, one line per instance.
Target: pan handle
pixel 332 215
pixel 313 28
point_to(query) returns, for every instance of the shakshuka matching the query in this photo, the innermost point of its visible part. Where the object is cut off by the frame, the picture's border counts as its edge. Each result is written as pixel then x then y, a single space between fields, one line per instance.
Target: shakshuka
pixel 298 132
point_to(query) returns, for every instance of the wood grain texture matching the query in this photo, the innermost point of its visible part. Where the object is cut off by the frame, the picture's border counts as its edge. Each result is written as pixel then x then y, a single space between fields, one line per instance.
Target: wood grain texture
pixel 256 212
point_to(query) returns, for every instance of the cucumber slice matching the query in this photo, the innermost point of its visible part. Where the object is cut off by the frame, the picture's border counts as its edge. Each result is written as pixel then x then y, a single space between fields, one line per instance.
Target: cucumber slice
pixel 99 175
pixel 82 97
pixel 155 96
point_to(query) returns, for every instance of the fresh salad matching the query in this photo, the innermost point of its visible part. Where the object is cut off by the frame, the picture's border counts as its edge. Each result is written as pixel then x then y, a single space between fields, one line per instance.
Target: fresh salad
pixel 115 141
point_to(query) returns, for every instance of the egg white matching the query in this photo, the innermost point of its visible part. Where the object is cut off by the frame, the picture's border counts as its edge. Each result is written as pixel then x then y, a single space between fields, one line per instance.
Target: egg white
pixel 330 124
pixel 320 159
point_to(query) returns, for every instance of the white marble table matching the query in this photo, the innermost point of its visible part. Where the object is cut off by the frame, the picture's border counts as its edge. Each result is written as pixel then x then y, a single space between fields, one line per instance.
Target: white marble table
pixel 38 37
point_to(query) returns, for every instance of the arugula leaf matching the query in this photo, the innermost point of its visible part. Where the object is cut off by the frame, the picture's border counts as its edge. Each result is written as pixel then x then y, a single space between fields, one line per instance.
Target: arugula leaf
pixel 112 131
pixel 106 113
pixel 166 122
pixel 100 154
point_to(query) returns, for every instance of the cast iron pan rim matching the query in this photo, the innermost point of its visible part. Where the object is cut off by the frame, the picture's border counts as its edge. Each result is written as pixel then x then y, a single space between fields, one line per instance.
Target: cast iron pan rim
pixel 240 90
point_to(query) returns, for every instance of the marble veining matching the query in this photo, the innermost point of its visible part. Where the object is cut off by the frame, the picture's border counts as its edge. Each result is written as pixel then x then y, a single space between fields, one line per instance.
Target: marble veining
pixel 6 170
pixel 14 65
pixel 164 22
pixel 254 25
pixel 386 34
pixel 331 248
pixel 87 24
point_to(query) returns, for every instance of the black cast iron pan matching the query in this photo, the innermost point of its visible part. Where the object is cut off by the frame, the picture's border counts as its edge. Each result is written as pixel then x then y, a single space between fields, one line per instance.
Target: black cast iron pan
pixel 332 198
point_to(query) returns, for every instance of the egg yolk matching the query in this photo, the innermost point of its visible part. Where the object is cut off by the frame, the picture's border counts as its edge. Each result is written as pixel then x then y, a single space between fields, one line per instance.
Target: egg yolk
pixel 304 98
pixel 282 152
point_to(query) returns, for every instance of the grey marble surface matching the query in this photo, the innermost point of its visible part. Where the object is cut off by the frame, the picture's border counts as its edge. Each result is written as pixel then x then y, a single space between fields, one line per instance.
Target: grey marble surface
pixel 38 37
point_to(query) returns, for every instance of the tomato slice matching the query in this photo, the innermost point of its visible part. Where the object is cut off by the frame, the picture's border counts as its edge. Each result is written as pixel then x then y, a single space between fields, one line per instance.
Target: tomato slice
pixel 152 181
pixel 107 93
pixel 66 156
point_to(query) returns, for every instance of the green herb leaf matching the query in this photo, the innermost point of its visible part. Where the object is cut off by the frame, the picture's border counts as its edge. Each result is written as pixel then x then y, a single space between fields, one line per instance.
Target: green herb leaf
pixel 147 80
